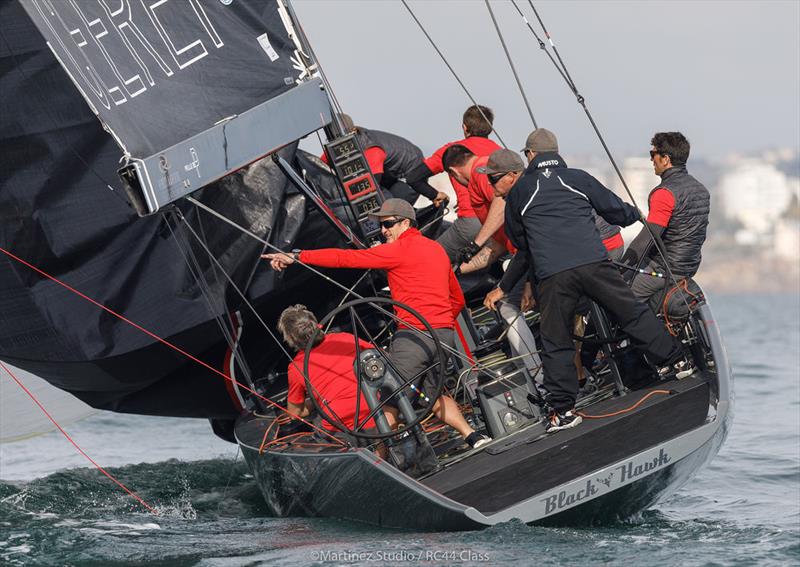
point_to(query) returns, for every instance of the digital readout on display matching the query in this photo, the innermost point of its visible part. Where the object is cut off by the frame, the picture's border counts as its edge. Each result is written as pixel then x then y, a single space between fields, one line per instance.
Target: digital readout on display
pixel 370 226
pixel 364 206
pixel 340 150
pixel 358 187
pixel 352 168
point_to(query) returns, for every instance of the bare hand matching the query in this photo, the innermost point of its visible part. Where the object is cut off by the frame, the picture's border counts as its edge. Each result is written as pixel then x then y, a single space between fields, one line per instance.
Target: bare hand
pixel 440 199
pixel 528 302
pixel 278 260
pixel 492 298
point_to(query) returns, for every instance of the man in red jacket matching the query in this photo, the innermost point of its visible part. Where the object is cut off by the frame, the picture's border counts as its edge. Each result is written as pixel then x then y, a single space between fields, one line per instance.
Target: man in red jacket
pixel 330 369
pixel 477 125
pixel 419 276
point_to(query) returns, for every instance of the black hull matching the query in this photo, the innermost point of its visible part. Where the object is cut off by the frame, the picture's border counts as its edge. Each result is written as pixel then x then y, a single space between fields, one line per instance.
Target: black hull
pixel 599 472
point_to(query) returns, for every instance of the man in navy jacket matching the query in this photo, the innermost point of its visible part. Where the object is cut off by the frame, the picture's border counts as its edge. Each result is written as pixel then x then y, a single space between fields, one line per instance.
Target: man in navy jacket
pixel 549 214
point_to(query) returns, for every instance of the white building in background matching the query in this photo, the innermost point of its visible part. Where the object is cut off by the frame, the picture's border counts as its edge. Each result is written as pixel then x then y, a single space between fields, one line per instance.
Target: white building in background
pixel 786 241
pixel 756 194
pixel 639 175
pixel 641 179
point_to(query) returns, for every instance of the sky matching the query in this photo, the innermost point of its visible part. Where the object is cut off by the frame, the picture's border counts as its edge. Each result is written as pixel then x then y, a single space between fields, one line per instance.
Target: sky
pixel 726 73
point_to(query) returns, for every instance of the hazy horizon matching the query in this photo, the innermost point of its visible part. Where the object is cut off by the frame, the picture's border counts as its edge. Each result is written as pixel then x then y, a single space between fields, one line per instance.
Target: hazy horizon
pixel 725 74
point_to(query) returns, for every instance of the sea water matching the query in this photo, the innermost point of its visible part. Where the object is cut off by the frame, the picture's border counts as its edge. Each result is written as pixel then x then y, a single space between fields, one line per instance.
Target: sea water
pixel 743 509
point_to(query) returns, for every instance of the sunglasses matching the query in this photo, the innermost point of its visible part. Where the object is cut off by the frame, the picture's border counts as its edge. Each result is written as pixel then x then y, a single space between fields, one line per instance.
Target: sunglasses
pixel 389 223
pixel 653 154
pixel 495 178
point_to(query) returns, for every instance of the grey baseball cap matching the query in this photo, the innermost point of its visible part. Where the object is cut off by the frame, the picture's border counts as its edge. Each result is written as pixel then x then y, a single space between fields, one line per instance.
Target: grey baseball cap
pixel 541 140
pixel 502 161
pixel 395 208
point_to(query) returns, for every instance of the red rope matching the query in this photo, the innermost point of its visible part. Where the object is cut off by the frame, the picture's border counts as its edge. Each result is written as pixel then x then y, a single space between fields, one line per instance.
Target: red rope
pixel 626 410
pixel 81 451
pixel 163 341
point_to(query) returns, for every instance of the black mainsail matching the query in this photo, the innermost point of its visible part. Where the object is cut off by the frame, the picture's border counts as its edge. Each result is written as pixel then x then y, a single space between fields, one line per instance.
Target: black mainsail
pixel 183 92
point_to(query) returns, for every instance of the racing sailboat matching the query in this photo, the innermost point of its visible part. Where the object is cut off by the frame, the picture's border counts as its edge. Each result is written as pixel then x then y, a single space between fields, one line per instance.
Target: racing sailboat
pixel 150 157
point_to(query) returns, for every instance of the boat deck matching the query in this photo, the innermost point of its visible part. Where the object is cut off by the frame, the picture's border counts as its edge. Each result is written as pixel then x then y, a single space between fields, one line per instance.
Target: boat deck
pixel 530 461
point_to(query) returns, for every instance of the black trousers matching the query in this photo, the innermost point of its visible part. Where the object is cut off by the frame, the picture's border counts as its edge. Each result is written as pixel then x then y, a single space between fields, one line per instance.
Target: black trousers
pixel 602 283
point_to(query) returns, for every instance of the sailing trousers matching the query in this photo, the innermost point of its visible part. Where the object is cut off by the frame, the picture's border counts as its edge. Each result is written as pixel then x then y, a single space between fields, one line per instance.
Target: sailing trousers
pixel 601 282
pixel 412 352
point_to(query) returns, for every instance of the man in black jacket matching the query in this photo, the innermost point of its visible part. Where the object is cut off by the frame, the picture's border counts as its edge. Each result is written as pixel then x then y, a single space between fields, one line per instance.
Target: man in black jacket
pixel 678 215
pixel 391 158
pixel 549 214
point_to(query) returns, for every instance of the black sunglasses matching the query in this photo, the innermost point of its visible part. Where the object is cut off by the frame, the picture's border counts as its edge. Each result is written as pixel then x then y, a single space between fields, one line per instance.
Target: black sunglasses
pixel 389 223
pixel 496 177
pixel 654 152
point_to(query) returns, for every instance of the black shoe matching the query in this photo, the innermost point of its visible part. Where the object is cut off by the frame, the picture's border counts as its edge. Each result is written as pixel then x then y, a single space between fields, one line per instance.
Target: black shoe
pixel 591 384
pixel 476 440
pixel 558 421
pixel 678 370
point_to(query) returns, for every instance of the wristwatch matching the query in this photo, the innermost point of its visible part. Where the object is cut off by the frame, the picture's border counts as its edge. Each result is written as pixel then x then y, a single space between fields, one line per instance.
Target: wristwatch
pixel 296 254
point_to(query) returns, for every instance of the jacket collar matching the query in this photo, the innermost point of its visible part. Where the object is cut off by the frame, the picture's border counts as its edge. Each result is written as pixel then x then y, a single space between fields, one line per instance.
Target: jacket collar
pixel 672 171
pixel 408 233
pixel 547 159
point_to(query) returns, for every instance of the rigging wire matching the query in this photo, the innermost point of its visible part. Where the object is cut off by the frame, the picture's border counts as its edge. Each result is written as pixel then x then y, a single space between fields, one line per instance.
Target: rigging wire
pixel 452 71
pixel 257 315
pixel 511 63
pixel 217 309
pixel 582 101
pixel 325 277
pixel 542 45
pixel 138 498
pixel 303 38
pixel 160 339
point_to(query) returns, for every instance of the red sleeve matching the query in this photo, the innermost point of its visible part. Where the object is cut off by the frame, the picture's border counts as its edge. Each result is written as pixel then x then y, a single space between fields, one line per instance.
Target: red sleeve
pixel 434 162
pixel 457 301
pixel 324 158
pixel 375 158
pixel 614 242
pixel 383 256
pixel 297 384
pixel 662 202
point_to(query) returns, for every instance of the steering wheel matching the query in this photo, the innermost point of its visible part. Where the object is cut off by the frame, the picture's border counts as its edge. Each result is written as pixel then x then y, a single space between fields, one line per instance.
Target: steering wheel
pixel 375 368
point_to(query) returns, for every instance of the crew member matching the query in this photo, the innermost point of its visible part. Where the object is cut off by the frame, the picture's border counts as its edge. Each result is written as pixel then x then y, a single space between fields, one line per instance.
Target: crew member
pixel 519 267
pixel 419 276
pixel 490 242
pixel 549 213
pixel 330 370
pixel 390 158
pixel 678 215
pixel 476 125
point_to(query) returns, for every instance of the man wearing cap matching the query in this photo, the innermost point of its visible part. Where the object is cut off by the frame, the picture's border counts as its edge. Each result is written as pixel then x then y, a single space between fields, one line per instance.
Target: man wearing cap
pixel 549 213
pixel 390 158
pixel 419 276
pixel 491 241
pixel 678 210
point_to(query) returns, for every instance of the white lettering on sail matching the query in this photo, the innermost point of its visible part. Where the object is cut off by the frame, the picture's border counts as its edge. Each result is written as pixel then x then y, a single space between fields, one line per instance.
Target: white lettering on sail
pixel 84 35
pixel 134 85
pixel 193 51
pixel 50 16
pixel 128 30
